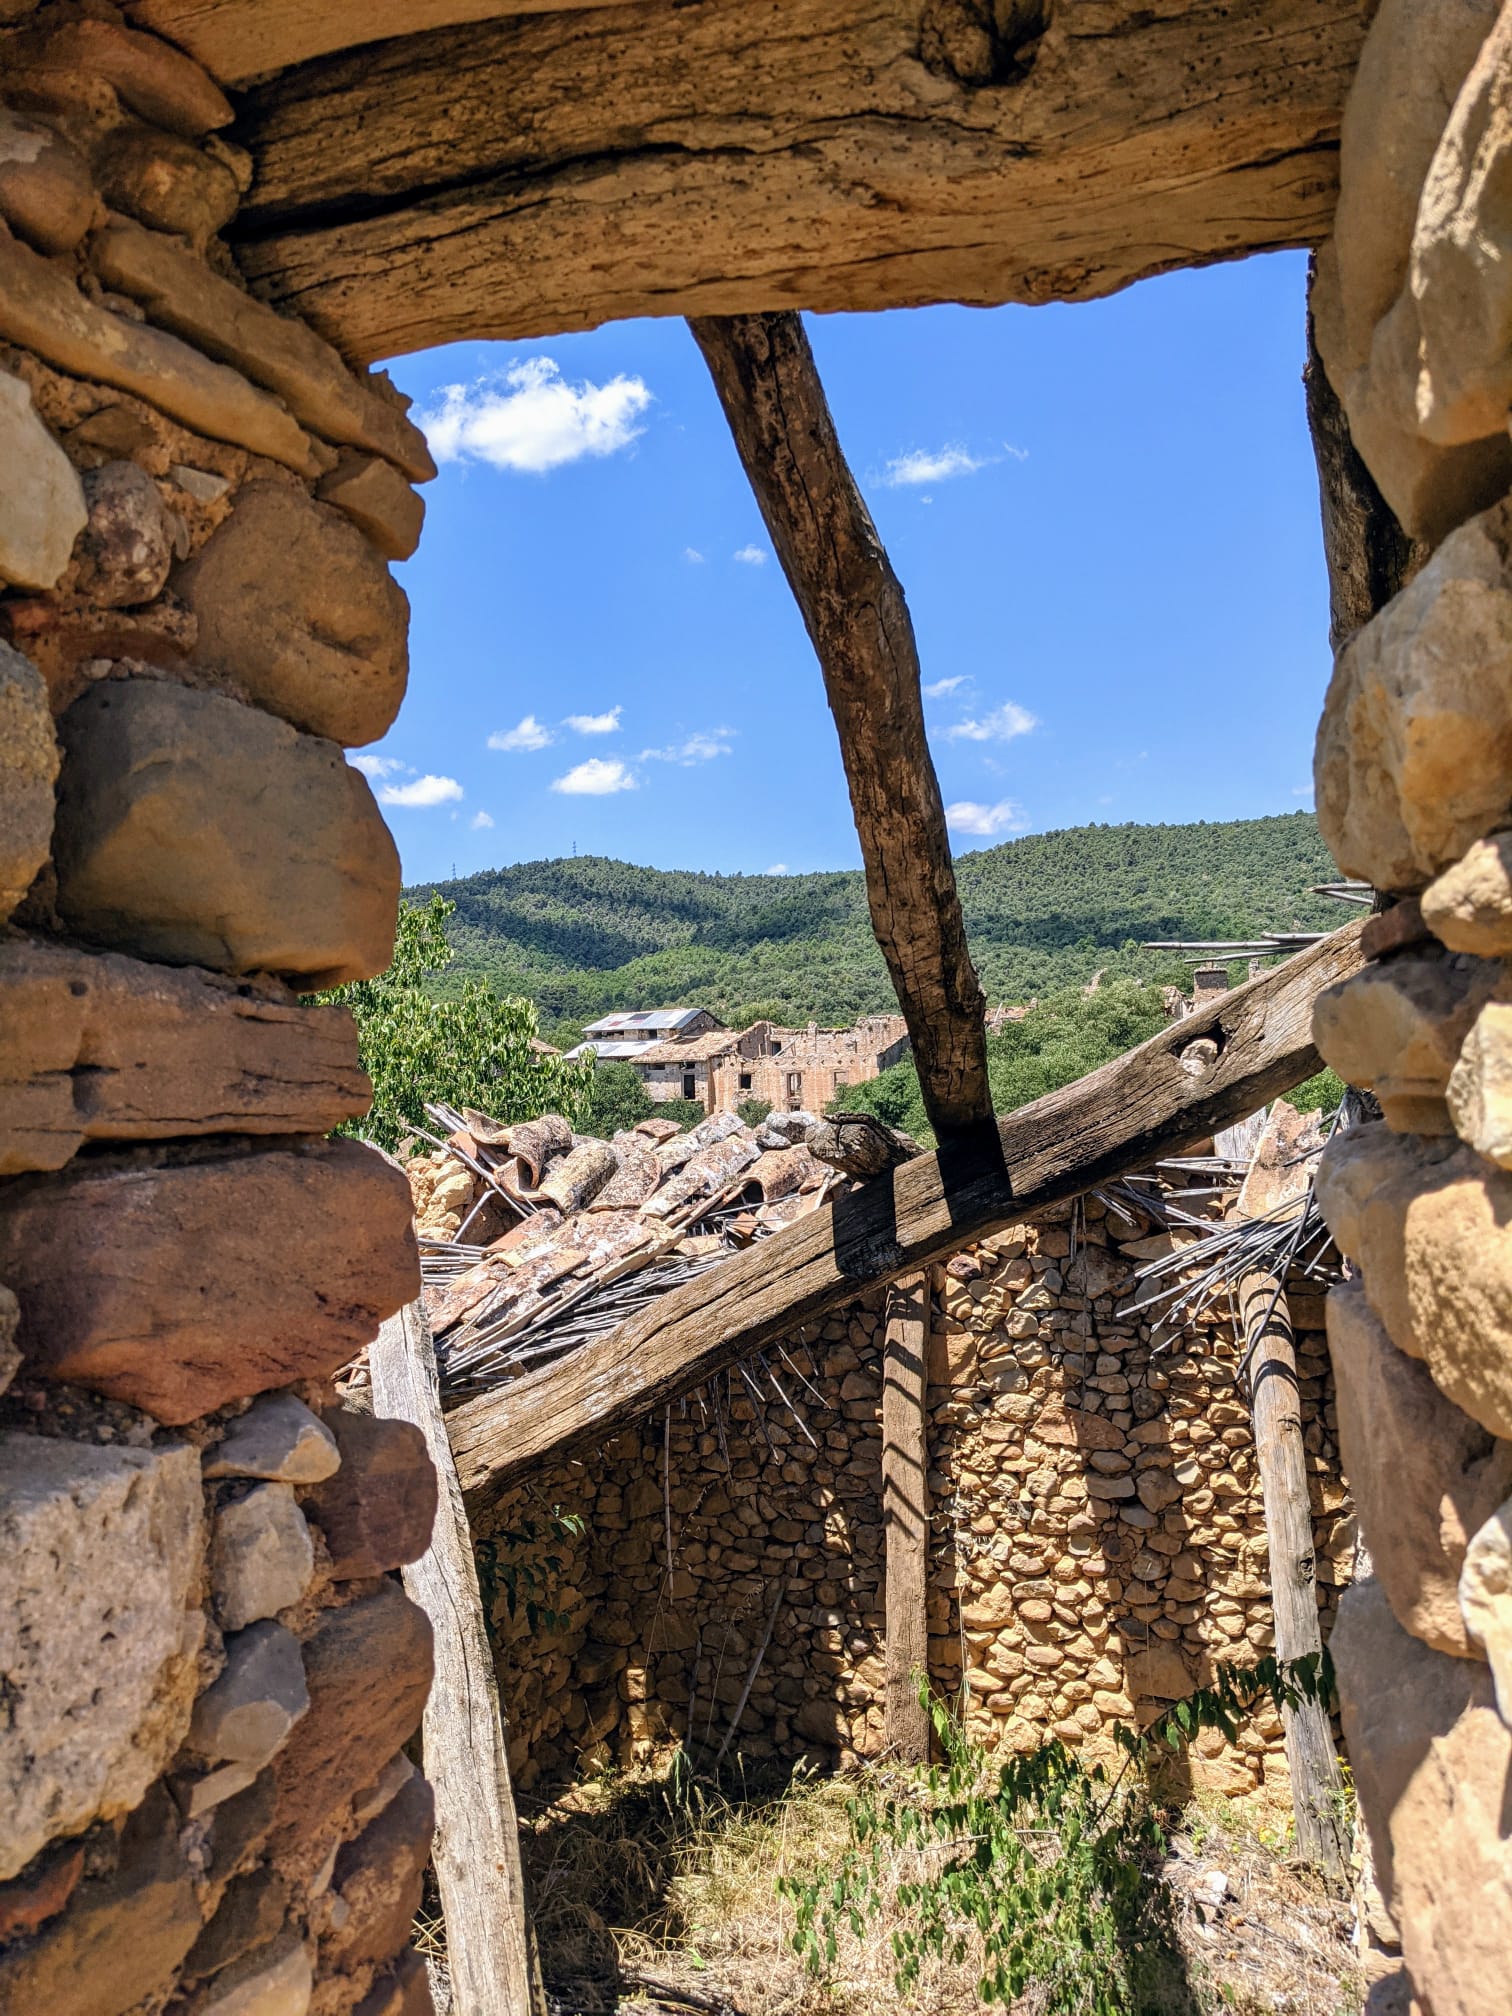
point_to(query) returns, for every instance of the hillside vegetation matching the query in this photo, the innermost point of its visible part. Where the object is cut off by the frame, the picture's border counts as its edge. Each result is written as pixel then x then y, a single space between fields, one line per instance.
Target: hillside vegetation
pixel 586 936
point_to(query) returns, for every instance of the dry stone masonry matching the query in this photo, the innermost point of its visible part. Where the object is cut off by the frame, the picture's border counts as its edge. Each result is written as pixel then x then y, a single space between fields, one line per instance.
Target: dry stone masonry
pixel 1414 779
pixel 209 1672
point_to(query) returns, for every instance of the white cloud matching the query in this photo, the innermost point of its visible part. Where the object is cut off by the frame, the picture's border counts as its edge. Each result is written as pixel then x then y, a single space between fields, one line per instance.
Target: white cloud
pixel 530 418
pixel 595 724
pixel 701 747
pixel 692 555
pixel 922 466
pixel 779 868
pixel 377 766
pixel 1301 790
pixel 1001 725
pixel 530 734
pixel 427 790
pixel 750 556
pixel 936 687
pixel 481 822
pixel 984 820
pixel 596 778
pixel 1018 454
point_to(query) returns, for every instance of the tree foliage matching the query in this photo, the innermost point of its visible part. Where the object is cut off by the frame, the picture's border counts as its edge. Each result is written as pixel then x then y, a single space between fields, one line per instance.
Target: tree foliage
pixel 473 1048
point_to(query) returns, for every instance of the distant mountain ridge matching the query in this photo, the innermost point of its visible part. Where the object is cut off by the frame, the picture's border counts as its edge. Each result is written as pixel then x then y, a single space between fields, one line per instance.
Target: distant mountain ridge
pixel 586 936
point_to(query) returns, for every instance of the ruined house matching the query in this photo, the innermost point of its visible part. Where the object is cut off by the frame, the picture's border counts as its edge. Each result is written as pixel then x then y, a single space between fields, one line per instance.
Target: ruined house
pixel 790 1069
pixel 217 215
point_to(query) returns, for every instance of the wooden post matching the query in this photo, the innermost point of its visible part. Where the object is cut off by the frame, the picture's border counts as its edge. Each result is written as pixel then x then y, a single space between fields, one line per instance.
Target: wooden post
pixel 1311 1759
pixel 490 1954
pixel 905 1515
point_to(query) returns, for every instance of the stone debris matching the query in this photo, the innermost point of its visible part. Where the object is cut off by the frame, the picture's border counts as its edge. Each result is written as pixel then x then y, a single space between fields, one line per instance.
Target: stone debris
pixel 278 1438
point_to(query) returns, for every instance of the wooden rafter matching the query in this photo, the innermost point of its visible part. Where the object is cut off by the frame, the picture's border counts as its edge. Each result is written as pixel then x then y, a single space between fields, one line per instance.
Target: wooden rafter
pixel 856 615
pixel 1200 1074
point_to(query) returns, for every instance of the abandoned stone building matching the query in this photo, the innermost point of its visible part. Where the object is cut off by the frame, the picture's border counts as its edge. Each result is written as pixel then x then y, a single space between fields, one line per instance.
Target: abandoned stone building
pixel 216 216
pixel 787 1068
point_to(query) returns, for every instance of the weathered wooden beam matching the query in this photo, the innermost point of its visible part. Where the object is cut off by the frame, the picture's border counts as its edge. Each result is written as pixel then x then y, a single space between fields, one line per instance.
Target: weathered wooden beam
pixel 554 171
pixel 1120 1118
pixel 490 1954
pixel 857 619
pixel 905 1517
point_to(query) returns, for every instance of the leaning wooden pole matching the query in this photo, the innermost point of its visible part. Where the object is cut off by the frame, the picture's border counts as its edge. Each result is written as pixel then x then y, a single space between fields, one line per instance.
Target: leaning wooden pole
pixel 854 608
pixel 1312 1761
pixel 905 1517
pixel 490 1954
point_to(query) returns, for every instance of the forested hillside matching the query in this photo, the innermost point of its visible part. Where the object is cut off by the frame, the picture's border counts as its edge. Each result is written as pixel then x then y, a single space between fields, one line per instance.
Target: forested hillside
pixel 582 937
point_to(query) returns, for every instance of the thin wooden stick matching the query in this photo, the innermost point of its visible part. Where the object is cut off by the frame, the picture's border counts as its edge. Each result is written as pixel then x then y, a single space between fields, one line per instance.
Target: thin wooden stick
pixel 750 1680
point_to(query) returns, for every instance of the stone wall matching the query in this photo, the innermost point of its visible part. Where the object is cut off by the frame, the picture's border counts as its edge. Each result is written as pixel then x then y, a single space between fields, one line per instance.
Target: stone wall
pixel 208 1671
pixel 1413 308
pixel 1098 1538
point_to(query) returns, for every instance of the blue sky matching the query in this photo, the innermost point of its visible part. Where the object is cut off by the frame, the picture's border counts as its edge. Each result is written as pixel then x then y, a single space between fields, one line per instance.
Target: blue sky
pixel 1104 516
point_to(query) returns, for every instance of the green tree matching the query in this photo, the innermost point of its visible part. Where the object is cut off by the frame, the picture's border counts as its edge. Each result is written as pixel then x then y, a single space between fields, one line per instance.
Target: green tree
pixel 474 1048
pixel 616 1099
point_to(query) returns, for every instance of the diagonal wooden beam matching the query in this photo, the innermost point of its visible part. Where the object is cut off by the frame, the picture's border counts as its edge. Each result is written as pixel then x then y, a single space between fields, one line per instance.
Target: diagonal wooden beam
pixel 1123 1117
pixel 856 615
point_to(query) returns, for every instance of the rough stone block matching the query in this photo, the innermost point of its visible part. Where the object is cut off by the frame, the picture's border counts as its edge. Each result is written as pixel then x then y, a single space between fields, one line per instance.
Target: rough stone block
pixel 378 1509
pixel 1414 751
pixel 1424 1476
pixel 278 1438
pixel 368 1669
pixel 181 1307
pixel 1397 1030
pixel 41 1892
pixel 378 501
pixel 1485 1599
pixel 123 1935
pixel 246 1715
pixel 378 1879
pixel 166 183
pixel 1431 1229
pixel 42 509
pixel 261 1556
pixel 273 1980
pixel 156 81
pixel 46 195
pixel 100 1633
pixel 1480 1086
pixel 1399 925
pixel 1159 1673
pixel 199 831
pixel 298 607
pixel 1469 906
pixel 250 1913
pixel 124 553
pixel 404 1992
pixel 98 1047
pixel 28 769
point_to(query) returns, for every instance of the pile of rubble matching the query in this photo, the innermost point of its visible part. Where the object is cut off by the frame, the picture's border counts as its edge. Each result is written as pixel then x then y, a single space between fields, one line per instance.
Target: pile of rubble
pixel 534 1238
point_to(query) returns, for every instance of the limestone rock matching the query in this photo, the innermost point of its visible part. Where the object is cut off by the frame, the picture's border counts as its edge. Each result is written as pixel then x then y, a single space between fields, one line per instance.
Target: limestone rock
pixel 1462 257
pixel 378 1879
pixel 42 508
pixel 261 1556
pixel 180 1310
pixel 99 1637
pixel 199 831
pixel 1397 1030
pixel 378 1509
pixel 378 501
pixel 180 292
pixel 1424 1476
pixel 1480 1086
pixel 156 81
pixel 1159 1672
pixel 46 195
pixel 278 1438
pixel 246 1715
pixel 1469 906
pixel 167 183
pixel 1432 1231
pixel 297 606
pixel 1485 1599
pixel 251 1912
pixel 28 768
pixel 126 549
pixel 123 1935
pixel 1414 751
pixel 274 1980
pixel 404 1992
pixel 41 309
pixel 1399 925
pixel 98 1047
pixel 368 1669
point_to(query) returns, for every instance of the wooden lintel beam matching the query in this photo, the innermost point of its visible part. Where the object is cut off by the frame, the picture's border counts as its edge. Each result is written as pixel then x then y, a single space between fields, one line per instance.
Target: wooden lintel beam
pixel 1124 1117
pixel 857 618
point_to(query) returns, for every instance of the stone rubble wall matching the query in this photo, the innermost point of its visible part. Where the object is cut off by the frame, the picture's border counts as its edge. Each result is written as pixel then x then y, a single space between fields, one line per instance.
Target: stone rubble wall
pixel 1098 1536
pixel 209 1672
pixel 1413 312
